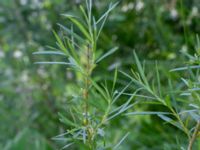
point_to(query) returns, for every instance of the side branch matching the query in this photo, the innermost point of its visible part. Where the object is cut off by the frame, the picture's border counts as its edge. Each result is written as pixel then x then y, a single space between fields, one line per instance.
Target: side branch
pixel 194 136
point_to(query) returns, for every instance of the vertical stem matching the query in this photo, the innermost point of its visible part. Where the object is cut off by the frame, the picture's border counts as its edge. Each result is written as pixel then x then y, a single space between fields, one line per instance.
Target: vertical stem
pixel 87 84
pixel 88 72
pixel 194 136
pixel 85 97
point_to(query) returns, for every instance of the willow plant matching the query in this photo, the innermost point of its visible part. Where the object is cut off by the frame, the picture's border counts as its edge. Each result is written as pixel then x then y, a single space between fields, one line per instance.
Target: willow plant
pixel 182 104
pixel 94 105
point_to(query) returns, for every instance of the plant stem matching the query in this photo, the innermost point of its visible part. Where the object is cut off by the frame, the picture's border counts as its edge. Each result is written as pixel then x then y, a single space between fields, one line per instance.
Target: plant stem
pixel 86 106
pixel 194 136
pixel 88 72
pixel 87 84
pixel 180 121
pixel 162 101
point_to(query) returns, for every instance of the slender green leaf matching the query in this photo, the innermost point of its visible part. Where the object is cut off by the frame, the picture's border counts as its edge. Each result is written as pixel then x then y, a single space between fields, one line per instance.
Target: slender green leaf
pixel 68 145
pixel 158 80
pixel 147 113
pixel 114 80
pixel 60 43
pixel 83 12
pixel 72 33
pixel 170 121
pixel 63 119
pixel 121 92
pixel 100 90
pixel 102 25
pixel 120 142
pixel 53 63
pixel 80 26
pixel 140 69
pixel 49 53
pixel 111 51
pixel 111 7
pixel 185 68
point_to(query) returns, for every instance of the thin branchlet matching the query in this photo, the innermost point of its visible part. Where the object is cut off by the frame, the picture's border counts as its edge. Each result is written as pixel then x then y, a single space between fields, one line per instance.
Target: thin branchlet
pixel 81 52
pixel 194 136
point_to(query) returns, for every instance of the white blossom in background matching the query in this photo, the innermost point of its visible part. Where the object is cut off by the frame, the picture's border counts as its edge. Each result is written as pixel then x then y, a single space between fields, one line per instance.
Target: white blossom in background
pixel 41 72
pixel 131 5
pixel 17 54
pixel 184 49
pixel 21 46
pixel 2 54
pixel 8 72
pixel 23 2
pixel 139 5
pixel 195 11
pixel 77 1
pixel 36 4
pixel 69 75
pixel 174 13
pixel 24 76
pixel 41 48
pixel 48 26
pixel 127 7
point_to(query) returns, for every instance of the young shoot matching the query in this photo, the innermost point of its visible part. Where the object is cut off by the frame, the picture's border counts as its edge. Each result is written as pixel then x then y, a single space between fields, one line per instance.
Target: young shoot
pixel 186 115
pixel 93 106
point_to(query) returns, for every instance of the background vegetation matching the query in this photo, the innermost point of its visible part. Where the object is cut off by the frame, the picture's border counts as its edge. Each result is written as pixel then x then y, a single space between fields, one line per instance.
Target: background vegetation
pixel 31 96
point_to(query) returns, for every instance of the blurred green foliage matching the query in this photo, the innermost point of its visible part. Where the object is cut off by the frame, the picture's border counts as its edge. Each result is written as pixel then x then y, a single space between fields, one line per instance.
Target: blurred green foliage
pixel 31 96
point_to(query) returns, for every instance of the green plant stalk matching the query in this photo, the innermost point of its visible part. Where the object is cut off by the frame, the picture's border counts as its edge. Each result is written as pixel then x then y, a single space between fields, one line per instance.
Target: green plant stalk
pixel 89 66
pixel 86 121
pixel 88 71
pixel 174 113
pixel 104 117
pixel 86 89
pixel 84 63
pixel 146 86
pixel 180 121
pixel 170 108
pixel 194 136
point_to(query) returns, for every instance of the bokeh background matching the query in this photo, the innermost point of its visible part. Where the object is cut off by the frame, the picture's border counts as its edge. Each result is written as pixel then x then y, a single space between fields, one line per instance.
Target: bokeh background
pixel 32 95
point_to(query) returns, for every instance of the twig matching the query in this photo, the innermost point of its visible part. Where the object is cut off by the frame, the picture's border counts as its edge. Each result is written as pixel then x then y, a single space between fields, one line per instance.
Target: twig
pixel 194 136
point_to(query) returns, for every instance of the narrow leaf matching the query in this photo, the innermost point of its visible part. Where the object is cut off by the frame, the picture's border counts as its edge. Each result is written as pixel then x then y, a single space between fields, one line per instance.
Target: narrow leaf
pixel 147 113
pixel 68 145
pixel 72 33
pixel 80 26
pixel 111 51
pixel 140 69
pixel 100 90
pixel 60 43
pixel 49 53
pixel 111 7
pixel 114 80
pixel 66 121
pixel 121 92
pixel 185 68
pixel 120 142
pixel 53 63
